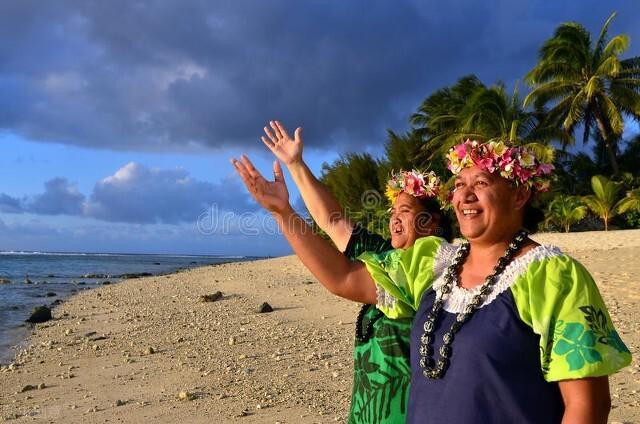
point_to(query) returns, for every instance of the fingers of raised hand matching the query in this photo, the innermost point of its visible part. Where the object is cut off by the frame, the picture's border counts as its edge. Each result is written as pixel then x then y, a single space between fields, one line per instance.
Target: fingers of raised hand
pixel 283 131
pixel 270 144
pixel 249 167
pixel 298 135
pixel 277 171
pixel 271 135
pixel 247 179
pixel 276 130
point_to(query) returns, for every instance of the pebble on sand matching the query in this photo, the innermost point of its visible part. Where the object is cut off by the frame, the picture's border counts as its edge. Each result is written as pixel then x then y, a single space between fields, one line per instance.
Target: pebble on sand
pixel 211 297
pixel 186 396
pixel 264 308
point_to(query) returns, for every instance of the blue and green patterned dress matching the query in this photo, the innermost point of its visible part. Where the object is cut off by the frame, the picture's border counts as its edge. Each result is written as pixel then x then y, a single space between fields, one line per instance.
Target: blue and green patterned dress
pixel 545 321
pixel 381 364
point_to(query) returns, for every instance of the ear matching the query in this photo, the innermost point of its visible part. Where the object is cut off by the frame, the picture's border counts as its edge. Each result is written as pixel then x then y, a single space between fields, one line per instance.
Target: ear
pixel 523 194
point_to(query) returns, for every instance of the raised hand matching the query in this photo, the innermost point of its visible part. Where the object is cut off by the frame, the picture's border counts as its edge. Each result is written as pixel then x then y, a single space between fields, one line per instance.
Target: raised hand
pixel 288 150
pixel 271 195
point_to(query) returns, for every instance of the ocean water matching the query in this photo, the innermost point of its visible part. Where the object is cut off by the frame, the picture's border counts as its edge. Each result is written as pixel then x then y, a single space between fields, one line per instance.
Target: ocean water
pixel 54 276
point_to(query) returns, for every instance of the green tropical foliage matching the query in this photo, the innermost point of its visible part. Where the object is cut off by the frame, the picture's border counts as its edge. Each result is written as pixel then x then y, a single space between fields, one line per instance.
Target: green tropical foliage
pixel 631 202
pixel 587 83
pixel 565 211
pixel 604 201
pixel 469 109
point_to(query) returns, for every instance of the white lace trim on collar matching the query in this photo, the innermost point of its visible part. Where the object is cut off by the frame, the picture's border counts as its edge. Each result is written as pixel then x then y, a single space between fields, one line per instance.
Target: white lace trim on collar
pixel 460 297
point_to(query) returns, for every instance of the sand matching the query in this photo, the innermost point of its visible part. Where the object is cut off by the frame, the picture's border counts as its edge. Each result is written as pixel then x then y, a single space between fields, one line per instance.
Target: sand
pixel 126 352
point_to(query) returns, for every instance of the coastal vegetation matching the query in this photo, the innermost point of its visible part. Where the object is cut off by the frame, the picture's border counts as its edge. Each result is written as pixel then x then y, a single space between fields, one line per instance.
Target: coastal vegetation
pixel 580 86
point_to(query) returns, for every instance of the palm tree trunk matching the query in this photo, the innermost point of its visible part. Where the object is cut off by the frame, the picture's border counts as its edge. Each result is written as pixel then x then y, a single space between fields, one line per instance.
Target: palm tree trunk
pixel 605 136
pixel 612 158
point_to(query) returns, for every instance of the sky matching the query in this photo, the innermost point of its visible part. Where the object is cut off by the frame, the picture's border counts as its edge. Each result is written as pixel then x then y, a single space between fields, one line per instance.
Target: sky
pixel 118 118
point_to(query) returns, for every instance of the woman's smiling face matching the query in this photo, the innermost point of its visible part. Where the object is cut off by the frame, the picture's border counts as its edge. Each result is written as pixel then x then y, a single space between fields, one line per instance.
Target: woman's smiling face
pixel 487 206
pixel 409 221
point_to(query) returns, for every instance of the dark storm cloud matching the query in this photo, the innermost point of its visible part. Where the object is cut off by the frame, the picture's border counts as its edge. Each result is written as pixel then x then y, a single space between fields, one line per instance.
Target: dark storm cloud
pixel 139 194
pixel 135 194
pixel 10 204
pixel 59 198
pixel 172 75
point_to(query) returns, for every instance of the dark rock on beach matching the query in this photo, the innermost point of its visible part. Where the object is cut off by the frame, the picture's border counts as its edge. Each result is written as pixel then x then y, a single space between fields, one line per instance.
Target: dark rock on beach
pixel 5 281
pixel 106 283
pixel 39 314
pixel 136 275
pixel 51 294
pixel 95 276
pixel 211 297
pixel 264 308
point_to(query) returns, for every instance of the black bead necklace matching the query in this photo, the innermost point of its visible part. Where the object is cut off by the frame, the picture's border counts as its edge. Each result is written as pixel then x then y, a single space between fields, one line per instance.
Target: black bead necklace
pixel 433 370
pixel 364 334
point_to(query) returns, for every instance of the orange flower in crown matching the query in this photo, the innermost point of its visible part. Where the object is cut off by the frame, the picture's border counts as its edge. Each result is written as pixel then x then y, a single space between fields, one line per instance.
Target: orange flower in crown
pixel 416 183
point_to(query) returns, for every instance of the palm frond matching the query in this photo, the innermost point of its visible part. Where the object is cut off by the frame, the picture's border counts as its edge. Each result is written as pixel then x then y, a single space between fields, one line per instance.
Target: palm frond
pixel 631 202
pixel 602 38
pixel 616 46
pixel 576 111
pixel 613 114
pixel 593 86
pixel 550 91
pixel 610 67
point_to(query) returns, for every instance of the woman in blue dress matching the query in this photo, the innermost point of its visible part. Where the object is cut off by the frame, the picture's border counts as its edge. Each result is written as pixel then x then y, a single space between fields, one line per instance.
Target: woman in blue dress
pixel 506 330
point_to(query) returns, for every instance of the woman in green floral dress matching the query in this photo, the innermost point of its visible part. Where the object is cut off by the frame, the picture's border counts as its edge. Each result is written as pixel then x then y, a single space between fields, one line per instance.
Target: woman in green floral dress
pixel 381 353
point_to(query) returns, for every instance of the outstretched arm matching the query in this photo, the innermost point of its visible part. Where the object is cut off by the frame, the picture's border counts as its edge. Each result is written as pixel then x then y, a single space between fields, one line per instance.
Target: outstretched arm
pixel 338 274
pixel 322 205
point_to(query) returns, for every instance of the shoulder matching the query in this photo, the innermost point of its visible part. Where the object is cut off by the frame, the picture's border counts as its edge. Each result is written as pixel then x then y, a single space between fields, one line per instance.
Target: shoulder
pixel 549 265
pixel 434 250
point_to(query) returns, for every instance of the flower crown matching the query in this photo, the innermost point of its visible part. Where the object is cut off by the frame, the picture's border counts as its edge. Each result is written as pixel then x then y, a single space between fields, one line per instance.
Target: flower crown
pixel 517 164
pixel 416 183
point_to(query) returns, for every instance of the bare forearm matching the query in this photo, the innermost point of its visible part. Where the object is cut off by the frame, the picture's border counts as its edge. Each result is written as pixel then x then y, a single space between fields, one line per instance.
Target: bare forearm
pixel 586 400
pixel 585 415
pixel 337 273
pixel 322 205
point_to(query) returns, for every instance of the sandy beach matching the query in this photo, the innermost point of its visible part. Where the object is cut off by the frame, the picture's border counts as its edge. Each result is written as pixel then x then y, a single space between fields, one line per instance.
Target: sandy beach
pixel 149 350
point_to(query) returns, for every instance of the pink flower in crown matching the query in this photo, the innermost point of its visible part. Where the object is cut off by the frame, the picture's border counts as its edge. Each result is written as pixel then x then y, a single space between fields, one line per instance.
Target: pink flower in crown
pixel 413 184
pixel 545 169
pixel 461 149
pixel 506 162
pixel 486 163
pixel 522 174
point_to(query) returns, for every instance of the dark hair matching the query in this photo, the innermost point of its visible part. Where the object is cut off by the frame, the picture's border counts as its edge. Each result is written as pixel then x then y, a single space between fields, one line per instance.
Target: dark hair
pixel 443 228
pixel 531 217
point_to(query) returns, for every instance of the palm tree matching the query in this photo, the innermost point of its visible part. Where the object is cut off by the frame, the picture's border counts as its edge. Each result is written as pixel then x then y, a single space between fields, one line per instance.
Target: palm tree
pixel 437 119
pixel 565 211
pixel 604 202
pixel 469 109
pixel 587 83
